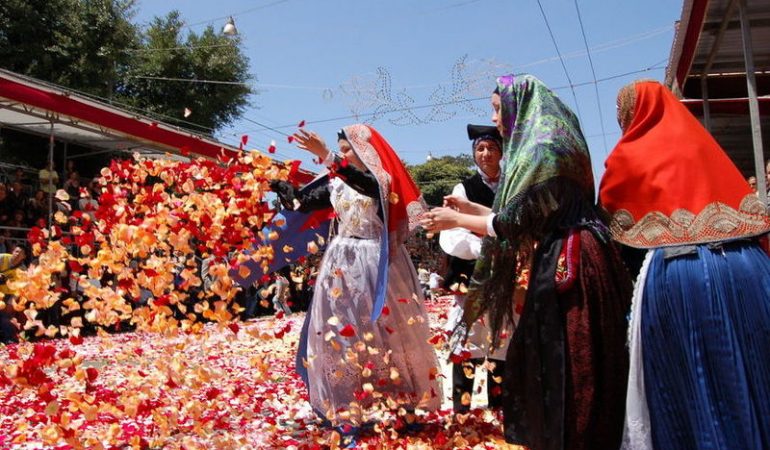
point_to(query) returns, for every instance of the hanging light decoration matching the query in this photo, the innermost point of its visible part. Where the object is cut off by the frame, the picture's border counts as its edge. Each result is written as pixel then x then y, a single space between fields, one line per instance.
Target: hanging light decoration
pixel 229 29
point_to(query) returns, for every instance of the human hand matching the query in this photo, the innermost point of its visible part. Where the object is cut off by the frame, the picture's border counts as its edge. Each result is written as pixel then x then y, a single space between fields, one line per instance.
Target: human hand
pixel 465 206
pixel 439 219
pixel 312 142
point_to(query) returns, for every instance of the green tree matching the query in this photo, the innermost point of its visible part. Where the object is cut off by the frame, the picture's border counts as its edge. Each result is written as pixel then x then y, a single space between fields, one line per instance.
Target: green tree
pixel 94 47
pixel 437 177
pixel 166 53
pixel 79 44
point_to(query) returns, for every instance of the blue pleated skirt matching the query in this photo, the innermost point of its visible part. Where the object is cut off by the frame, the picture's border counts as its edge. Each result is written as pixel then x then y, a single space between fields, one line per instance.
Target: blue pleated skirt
pixel 705 331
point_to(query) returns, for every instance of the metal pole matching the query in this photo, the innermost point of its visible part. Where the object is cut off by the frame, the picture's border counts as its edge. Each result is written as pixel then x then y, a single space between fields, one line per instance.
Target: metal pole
pixel 64 162
pixel 751 82
pixel 704 90
pixel 51 144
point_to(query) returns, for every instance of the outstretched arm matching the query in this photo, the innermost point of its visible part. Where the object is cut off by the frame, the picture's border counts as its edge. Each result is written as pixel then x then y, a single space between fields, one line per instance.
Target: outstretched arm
pixel 443 218
pixel 311 200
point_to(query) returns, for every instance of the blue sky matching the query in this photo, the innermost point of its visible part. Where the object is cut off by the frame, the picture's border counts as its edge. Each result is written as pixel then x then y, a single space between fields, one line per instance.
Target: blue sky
pixel 319 60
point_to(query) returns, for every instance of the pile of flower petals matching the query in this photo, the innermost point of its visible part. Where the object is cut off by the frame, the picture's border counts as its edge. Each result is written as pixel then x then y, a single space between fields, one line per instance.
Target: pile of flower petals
pixel 226 387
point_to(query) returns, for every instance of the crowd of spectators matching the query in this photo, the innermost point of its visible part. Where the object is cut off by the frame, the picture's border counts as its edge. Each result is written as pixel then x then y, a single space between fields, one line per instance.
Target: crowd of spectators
pixel 26 200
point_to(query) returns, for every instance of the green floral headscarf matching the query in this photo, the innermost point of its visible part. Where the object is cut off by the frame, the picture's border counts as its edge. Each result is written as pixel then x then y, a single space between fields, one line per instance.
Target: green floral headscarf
pixel 543 150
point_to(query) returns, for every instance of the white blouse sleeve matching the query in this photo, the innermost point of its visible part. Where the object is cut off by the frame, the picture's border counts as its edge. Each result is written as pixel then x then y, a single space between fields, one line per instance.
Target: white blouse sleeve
pixel 490 227
pixel 459 242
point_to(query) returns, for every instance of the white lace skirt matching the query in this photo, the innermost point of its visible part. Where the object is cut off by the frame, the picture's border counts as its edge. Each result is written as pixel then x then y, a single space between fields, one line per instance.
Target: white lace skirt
pixel 355 367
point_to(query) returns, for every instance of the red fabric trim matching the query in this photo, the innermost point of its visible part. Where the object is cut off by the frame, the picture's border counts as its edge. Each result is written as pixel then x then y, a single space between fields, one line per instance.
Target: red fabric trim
pixel 79 110
pixel 402 184
pixel 570 254
pixel 666 160
pixel 318 217
pixel 142 130
pixel 691 37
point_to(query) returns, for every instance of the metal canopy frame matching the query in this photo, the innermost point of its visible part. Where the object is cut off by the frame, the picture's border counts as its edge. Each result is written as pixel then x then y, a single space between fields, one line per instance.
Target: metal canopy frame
pixel 37 107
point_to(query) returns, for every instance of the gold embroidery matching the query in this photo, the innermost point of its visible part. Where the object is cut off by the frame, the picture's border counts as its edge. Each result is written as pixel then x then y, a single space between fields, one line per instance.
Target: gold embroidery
pixel 716 222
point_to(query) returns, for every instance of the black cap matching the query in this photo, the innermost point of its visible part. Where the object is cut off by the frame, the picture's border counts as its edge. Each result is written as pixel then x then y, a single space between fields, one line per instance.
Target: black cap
pixel 483 132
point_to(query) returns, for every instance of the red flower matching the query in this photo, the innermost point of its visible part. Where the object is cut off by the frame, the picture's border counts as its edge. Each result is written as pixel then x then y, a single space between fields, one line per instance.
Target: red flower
pixel 348 331
pixel 75 266
pixel 91 373
pixel 459 358
pixel 213 393
pixel 436 339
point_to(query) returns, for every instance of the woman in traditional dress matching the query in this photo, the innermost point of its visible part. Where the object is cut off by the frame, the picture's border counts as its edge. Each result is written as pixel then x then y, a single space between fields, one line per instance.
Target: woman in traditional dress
pixel 547 248
pixel 367 331
pixel 700 323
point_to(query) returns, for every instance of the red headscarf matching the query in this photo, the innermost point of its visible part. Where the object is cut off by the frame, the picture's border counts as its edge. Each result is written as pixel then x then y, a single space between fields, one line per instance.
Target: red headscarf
pixel 397 188
pixel 668 182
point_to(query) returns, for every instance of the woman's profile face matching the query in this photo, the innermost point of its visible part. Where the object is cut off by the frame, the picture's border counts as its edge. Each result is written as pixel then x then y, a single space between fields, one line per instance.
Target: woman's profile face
pixel 497 118
pixel 350 155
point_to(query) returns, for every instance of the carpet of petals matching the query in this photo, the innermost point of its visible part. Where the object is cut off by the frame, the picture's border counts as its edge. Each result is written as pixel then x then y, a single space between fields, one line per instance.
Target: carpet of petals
pixel 231 386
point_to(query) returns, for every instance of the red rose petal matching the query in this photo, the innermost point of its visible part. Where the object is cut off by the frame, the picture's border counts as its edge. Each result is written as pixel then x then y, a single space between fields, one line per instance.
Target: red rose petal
pixel 92 373
pixel 348 331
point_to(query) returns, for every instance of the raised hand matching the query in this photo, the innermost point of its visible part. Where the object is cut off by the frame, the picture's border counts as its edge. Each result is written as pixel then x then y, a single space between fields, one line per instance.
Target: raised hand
pixel 312 142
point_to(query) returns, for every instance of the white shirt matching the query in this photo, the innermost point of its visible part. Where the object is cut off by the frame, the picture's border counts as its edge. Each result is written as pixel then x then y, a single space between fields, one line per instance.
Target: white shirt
pixel 435 279
pixel 463 244
pixel 459 242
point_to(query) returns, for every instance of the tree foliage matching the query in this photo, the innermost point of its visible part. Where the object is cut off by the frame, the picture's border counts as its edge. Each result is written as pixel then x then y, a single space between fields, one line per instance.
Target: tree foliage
pixel 94 47
pixel 437 177
pixel 76 43
pixel 166 53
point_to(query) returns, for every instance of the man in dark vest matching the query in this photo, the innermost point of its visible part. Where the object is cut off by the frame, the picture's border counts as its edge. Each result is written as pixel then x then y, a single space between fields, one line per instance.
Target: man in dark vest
pixel 464 248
